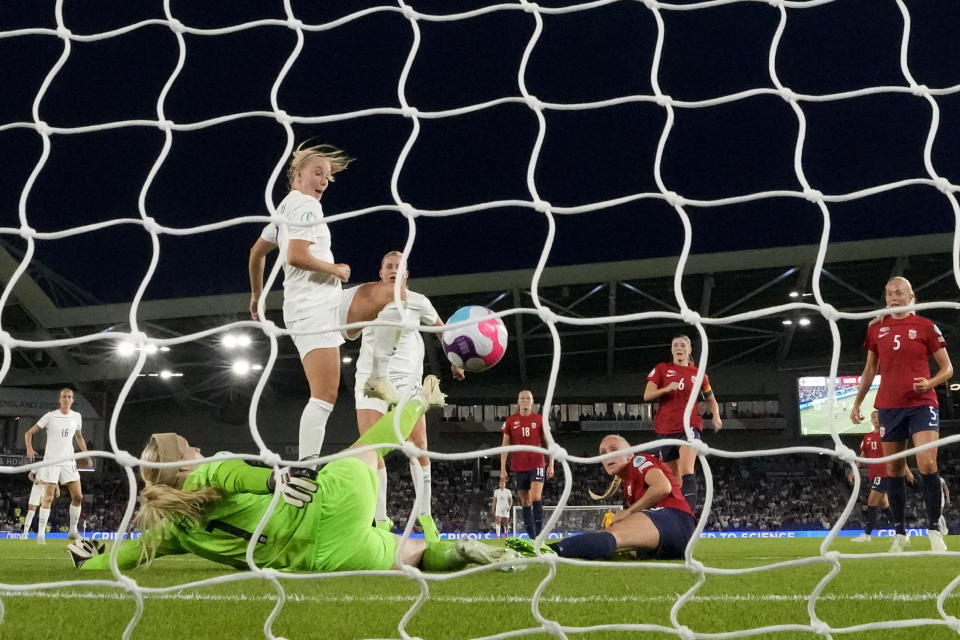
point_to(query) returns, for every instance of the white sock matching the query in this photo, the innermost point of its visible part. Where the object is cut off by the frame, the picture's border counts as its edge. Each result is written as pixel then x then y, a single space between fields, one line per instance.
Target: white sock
pixel 427 493
pixel 42 516
pixel 498 528
pixel 313 426
pixel 385 341
pixel 28 521
pixel 74 517
pixel 380 513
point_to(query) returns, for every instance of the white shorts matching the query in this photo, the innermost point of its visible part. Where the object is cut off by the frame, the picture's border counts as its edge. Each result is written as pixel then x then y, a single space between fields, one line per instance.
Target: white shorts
pixel 307 342
pixel 59 473
pixel 36 494
pixel 505 513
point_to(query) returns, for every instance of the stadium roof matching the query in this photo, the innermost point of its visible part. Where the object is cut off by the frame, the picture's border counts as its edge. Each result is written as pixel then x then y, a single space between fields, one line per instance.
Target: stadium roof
pixel 714 285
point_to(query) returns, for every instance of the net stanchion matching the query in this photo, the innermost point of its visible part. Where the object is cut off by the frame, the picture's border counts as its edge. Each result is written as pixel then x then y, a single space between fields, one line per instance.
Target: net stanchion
pixel 541 110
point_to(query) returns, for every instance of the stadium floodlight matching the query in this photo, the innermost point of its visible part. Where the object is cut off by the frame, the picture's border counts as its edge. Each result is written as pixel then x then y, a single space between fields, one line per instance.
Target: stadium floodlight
pixel 794 294
pixel 150 349
pixel 166 373
pixel 788 321
pixel 241 367
pixel 236 341
pixel 164 348
pixel 256 367
pixel 804 322
pixel 126 348
pixel 346 359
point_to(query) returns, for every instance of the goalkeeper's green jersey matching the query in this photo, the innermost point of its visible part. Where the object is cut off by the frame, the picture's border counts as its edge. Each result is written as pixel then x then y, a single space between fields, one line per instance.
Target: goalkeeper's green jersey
pixel 331 533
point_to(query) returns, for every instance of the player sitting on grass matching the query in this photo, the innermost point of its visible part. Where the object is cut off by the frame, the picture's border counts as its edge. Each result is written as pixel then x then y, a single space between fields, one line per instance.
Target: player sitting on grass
pixel 655 518
pixel 211 510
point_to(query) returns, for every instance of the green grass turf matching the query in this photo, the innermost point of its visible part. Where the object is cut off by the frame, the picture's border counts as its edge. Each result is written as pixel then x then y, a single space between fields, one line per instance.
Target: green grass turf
pixel 816 421
pixel 488 602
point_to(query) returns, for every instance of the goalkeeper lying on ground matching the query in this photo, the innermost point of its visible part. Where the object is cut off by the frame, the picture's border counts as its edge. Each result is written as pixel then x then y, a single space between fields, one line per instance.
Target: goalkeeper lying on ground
pixel 322 524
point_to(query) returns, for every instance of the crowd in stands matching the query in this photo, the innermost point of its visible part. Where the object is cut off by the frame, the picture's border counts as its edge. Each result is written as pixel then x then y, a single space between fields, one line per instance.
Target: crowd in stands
pixel 768 493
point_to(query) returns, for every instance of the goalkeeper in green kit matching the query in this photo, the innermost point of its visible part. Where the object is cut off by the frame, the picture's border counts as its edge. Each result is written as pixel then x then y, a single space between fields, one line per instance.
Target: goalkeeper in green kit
pixel 323 523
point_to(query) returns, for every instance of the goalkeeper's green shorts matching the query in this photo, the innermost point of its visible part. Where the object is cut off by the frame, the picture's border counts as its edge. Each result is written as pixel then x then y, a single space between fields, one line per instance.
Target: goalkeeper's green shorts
pixel 345 539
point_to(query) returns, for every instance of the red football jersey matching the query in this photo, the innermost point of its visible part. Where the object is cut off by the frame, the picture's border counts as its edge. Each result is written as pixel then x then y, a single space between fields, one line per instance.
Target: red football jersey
pixel 903 349
pixel 525 430
pixel 669 417
pixel 870 447
pixel 636 483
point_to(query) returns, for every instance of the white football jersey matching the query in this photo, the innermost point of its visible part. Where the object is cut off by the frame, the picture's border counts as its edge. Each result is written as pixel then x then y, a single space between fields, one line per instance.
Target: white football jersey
pixel 501 499
pixel 60 429
pixel 304 292
pixel 407 360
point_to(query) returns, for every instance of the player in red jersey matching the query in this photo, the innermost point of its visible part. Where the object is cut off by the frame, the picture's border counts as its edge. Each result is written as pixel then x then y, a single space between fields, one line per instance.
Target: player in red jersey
pixel 656 517
pixel 671 383
pixel 526 427
pixel 870 447
pixel 899 347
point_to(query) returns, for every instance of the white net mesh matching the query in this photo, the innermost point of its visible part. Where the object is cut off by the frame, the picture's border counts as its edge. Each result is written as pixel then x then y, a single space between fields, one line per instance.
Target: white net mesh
pixel 413 20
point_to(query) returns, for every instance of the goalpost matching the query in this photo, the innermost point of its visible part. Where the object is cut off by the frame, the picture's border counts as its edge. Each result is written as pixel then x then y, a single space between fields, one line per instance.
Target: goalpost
pixel 680 199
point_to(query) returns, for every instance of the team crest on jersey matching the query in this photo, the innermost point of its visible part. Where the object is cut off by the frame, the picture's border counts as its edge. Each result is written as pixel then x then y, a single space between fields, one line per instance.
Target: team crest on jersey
pixel 913 334
pixel 884 331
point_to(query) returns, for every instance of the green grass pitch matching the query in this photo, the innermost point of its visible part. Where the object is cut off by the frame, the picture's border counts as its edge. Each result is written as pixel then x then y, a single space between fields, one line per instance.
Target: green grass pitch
pixel 866 590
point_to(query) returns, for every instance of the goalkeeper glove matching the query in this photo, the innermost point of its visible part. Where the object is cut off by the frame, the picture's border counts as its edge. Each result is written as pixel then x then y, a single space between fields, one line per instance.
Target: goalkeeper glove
pixel 297 485
pixel 84 549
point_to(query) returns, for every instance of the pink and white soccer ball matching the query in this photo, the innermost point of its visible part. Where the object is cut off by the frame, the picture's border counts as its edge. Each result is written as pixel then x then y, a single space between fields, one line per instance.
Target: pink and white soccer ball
pixel 479 346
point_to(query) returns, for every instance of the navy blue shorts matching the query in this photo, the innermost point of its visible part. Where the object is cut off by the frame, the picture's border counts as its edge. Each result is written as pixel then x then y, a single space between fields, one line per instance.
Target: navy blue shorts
pixel 898 425
pixel 880 485
pixel 525 478
pixel 675 529
pixel 670 452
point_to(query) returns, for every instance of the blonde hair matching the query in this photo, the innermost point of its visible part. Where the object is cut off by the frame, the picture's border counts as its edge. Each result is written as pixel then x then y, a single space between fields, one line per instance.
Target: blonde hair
pixel 162 500
pixel 390 253
pixel 337 158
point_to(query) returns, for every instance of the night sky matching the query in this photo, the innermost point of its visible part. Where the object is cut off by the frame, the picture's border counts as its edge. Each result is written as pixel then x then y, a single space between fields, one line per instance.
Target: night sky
pixel 220 172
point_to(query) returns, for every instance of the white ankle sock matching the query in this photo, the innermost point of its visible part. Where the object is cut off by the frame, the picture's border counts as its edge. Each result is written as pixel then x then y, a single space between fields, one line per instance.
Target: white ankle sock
pixel 74 517
pixel 42 516
pixel 380 513
pixel 313 426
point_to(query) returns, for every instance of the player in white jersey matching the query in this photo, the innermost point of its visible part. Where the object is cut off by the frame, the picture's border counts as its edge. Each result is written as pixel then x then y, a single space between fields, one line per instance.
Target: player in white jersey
pixel 405 370
pixel 63 428
pixel 37 490
pixel 500 506
pixel 313 296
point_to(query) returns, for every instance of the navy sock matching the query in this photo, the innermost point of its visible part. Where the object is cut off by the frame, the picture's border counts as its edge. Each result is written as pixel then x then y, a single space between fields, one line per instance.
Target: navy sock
pixel 538 516
pixel 595 545
pixel 528 521
pixel 688 487
pixel 897 494
pixel 872 513
pixel 932 494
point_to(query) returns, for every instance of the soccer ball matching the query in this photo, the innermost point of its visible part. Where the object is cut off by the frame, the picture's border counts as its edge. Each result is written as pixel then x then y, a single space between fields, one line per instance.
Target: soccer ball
pixel 479 346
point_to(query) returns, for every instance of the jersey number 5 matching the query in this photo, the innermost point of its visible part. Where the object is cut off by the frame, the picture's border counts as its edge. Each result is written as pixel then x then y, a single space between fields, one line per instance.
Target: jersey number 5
pixel 896 342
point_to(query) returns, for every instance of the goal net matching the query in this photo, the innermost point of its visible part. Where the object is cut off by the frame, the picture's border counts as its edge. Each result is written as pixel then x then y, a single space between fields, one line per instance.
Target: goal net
pixel 555 131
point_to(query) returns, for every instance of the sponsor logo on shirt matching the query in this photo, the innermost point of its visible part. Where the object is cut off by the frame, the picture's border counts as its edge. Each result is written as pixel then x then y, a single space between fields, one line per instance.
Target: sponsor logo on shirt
pixel 671 373
pixel 883 332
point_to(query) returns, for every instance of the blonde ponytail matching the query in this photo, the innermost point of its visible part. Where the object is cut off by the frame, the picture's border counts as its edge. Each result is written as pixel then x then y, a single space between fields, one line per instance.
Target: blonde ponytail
pixel 612 489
